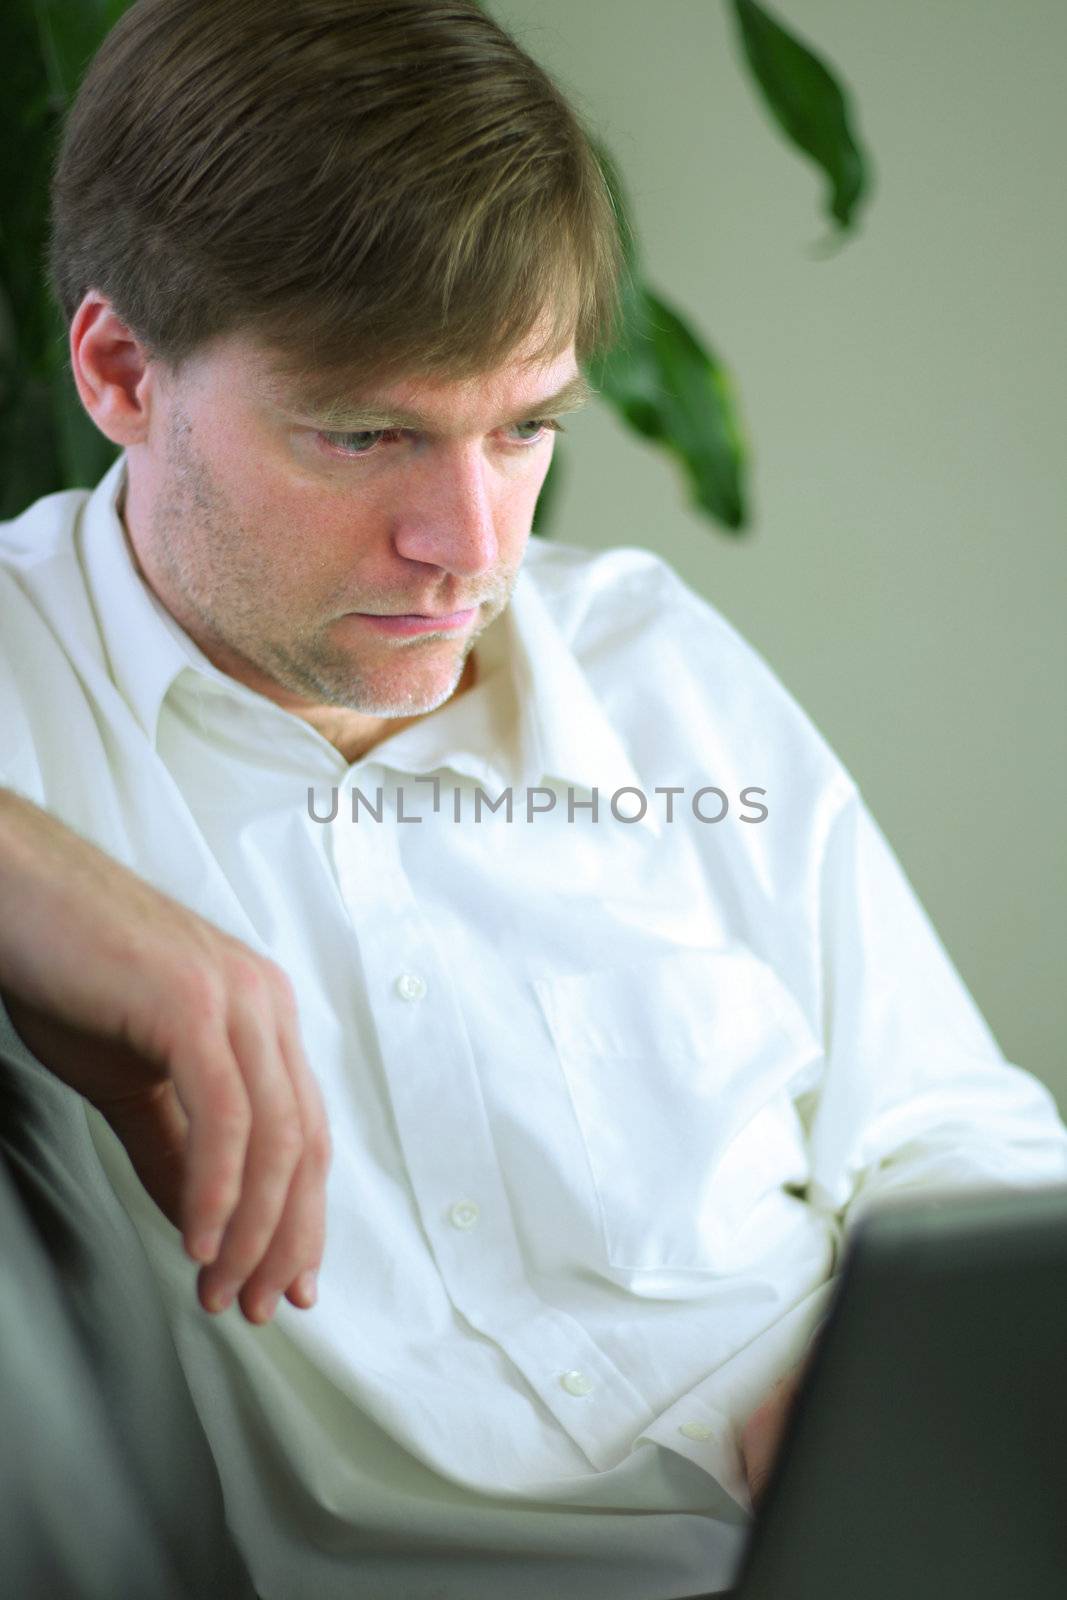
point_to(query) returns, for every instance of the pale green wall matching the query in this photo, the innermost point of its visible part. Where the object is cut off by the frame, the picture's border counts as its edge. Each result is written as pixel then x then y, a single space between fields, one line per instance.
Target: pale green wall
pixel 906 573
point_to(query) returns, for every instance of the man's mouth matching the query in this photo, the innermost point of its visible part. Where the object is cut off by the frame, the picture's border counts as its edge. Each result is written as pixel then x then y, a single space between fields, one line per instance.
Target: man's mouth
pixel 411 622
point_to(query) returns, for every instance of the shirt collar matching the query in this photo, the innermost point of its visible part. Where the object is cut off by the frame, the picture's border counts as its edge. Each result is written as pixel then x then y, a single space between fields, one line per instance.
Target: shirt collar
pixel 532 715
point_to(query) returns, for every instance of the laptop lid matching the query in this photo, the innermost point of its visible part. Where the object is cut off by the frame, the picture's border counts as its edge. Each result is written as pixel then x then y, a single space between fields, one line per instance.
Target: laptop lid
pixel 925 1457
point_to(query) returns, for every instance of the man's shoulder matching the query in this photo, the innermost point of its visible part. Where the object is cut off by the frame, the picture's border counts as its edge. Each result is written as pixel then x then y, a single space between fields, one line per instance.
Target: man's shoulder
pixel 34 547
pixel 660 656
pixel 43 532
pixel 559 568
pixel 636 597
pixel 625 586
pixel 42 584
pixel 45 622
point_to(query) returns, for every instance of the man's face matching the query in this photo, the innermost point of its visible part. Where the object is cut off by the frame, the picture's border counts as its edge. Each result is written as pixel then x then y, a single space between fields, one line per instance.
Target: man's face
pixel 299 559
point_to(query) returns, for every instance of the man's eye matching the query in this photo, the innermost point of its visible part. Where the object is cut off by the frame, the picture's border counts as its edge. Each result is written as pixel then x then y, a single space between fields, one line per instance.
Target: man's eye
pixel 356 444
pixel 542 425
pixel 363 441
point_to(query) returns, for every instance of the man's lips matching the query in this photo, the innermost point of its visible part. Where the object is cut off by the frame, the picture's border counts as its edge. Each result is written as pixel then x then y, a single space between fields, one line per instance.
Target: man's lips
pixel 437 616
pixel 411 622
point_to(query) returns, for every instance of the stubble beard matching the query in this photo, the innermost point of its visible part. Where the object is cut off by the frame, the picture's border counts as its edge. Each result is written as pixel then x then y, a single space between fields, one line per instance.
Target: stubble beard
pixel 218 606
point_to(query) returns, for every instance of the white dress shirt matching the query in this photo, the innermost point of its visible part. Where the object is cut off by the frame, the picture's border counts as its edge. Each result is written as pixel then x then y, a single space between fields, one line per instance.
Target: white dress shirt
pixel 604 1094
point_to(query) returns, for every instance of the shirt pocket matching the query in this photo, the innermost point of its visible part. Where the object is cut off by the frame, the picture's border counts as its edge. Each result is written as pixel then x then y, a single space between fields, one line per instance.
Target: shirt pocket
pixel 682 1073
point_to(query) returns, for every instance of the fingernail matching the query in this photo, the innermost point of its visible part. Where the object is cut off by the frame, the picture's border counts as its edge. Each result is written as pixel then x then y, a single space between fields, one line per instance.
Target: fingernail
pixel 266 1307
pixel 221 1297
pixel 307 1287
pixel 206 1246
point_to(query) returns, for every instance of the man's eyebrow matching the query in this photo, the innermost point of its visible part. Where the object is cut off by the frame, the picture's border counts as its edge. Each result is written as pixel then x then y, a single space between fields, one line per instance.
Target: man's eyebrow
pixel 372 415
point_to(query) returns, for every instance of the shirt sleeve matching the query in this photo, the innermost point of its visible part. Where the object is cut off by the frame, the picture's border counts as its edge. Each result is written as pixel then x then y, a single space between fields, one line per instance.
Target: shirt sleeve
pixel 916 1094
pixel 20 641
pixel 20 770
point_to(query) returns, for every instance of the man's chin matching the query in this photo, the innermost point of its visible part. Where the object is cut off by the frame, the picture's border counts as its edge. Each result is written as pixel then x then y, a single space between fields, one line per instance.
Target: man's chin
pixel 423 692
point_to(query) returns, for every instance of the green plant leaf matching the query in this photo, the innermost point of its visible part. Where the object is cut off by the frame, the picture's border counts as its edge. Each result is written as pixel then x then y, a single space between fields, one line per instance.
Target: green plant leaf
pixel 669 387
pixel 666 385
pixel 68 37
pixel 47 441
pixel 808 103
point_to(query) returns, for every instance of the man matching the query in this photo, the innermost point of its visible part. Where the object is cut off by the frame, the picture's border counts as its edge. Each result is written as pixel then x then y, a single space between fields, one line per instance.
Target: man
pixel 341 817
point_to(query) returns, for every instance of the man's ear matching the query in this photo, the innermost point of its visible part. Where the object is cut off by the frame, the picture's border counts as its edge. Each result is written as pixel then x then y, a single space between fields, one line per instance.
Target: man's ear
pixel 112 372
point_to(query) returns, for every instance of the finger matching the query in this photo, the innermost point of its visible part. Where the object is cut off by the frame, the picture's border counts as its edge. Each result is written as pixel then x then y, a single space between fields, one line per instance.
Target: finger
pixel 211 1090
pixel 292 1259
pixel 155 1133
pixel 275 1146
pixel 295 1253
pixel 318 1150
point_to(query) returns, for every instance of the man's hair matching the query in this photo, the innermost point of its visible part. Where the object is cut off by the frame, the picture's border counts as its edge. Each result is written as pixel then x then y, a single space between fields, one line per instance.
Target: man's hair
pixel 367 188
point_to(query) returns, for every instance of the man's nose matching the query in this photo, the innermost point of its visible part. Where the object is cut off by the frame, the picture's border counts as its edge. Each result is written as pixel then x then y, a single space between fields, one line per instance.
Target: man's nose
pixel 454 524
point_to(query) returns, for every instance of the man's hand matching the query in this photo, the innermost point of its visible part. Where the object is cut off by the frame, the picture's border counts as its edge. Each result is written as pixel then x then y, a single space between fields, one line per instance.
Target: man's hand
pixel 186 1041
pixel 762 1433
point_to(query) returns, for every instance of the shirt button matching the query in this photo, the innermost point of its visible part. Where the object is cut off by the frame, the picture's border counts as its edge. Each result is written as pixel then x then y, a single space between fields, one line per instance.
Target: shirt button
pixel 464 1214
pixel 576 1382
pixel 695 1430
pixel 409 986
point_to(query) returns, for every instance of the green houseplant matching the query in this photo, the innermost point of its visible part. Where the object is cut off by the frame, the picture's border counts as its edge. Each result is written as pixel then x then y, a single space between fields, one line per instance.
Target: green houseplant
pixel 663 380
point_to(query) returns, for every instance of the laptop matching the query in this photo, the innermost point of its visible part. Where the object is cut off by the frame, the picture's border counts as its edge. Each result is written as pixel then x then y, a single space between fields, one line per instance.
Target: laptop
pixel 925 1457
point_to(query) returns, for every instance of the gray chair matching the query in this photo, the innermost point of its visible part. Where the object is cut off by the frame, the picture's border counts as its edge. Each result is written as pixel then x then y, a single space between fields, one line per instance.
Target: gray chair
pixel 108 1490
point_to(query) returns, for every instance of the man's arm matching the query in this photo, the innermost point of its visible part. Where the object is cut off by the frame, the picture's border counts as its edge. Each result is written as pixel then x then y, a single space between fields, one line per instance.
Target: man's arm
pixel 761 1436
pixel 185 1040
pixel 916 1094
